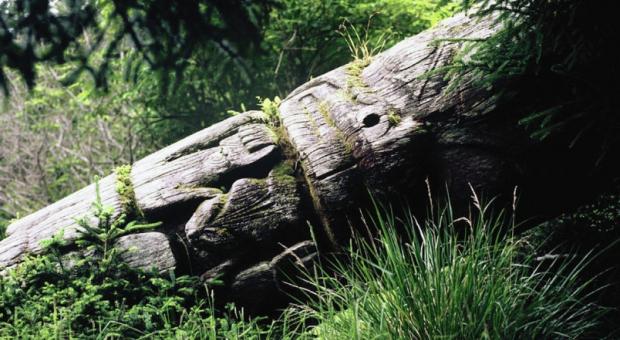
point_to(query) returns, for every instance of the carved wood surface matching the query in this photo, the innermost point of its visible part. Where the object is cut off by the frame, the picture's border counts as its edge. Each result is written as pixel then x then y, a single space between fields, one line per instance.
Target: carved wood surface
pixel 235 199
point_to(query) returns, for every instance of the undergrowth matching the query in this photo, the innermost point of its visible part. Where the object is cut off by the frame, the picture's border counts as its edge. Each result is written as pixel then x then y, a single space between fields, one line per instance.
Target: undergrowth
pixel 446 278
pixel 91 293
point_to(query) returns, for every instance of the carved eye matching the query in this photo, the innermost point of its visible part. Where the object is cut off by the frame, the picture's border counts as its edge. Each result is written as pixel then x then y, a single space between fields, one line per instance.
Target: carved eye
pixel 371 120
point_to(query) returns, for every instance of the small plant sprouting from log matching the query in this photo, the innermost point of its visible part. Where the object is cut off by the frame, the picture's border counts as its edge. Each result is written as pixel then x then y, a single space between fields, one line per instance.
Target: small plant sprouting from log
pixel 362 53
pixel 271 108
pixel 393 117
pixel 100 238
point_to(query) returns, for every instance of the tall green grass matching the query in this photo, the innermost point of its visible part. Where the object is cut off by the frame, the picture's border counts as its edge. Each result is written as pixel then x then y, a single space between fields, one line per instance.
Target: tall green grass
pixel 447 277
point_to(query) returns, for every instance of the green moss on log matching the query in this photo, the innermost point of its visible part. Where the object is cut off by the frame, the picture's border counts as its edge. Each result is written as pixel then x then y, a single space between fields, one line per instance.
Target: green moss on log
pixel 393 117
pixel 283 173
pixel 124 189
pixel 354 73
pixel 324 111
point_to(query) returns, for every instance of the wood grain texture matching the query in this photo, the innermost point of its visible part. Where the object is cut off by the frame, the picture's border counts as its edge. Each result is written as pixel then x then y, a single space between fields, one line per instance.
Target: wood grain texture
pixel 254 212
pixel 371 126
pixel 202 162
pixel 147 251
pixel 25 235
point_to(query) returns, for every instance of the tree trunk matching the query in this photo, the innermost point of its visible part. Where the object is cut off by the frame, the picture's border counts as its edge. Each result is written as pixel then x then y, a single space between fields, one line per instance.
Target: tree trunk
pixel 235 199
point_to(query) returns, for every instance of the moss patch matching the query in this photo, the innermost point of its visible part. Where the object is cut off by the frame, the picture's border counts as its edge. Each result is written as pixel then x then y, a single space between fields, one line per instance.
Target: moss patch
pixel 283 173
pixel 354 73
pixel 283 169
pixel 324 111
pixel 313 126
pixel 393 117
pixel 124 189
pixel 347 95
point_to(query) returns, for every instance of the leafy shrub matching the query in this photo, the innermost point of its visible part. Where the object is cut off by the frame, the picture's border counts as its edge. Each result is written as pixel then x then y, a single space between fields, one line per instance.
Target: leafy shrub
pixel 447 278
pixel 91 293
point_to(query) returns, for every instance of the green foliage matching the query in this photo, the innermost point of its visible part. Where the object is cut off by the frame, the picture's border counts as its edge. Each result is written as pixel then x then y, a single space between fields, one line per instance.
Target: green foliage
pixel 591 227
pixel 420 280
pixel 307 36
pixel 447 278
pixel 272 109
pixel 55 138
pixel 393 118
pixel 165 33
pixel 98 240
pixel 359 46
pixel 556 56
pixel 91 293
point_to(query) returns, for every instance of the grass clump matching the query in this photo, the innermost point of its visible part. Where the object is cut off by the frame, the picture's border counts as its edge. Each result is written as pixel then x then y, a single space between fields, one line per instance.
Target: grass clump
pixel 271 108
pixel 361 52
pixel 447 278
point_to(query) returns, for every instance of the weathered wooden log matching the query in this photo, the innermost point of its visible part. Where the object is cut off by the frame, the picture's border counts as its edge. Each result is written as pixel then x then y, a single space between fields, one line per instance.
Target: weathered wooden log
pixel 235 199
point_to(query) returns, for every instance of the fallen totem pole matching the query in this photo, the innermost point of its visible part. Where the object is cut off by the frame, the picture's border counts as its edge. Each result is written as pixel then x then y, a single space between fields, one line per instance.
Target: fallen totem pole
pixel 236 200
